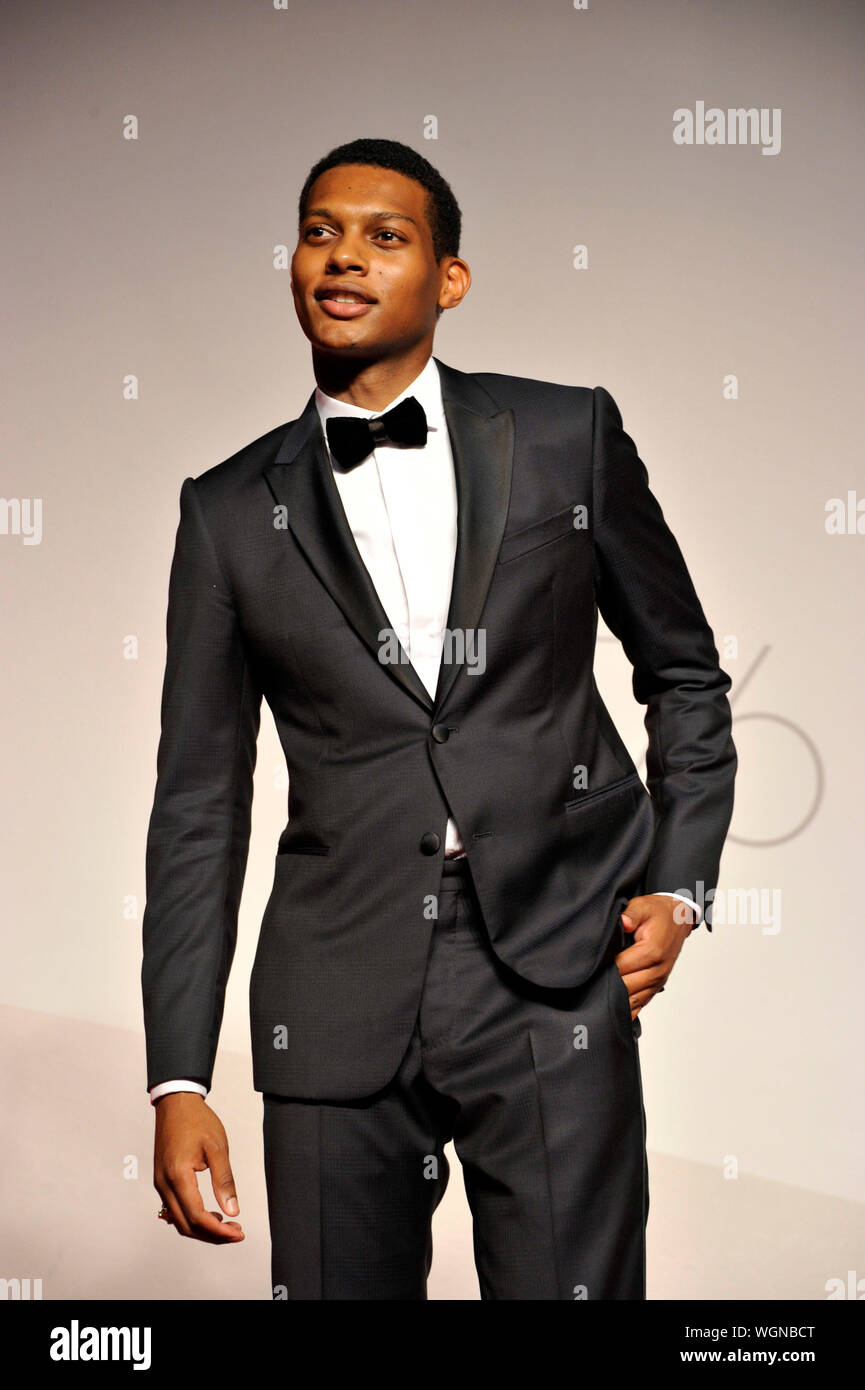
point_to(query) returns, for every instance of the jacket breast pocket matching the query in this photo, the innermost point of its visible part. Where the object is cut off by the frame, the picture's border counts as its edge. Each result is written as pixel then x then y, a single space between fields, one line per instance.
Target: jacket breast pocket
pixel 602 794
pixel 550 528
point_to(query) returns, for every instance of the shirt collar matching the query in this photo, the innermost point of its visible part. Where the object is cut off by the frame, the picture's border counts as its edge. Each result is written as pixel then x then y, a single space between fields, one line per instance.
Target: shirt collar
pixel 426 388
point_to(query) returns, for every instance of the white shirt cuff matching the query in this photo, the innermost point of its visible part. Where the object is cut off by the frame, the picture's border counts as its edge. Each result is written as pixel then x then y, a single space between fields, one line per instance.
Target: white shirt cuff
pixel 166 1088
pixel 690 901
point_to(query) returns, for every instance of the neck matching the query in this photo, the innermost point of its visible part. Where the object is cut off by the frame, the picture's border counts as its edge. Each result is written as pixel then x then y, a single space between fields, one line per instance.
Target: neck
pixel 369 385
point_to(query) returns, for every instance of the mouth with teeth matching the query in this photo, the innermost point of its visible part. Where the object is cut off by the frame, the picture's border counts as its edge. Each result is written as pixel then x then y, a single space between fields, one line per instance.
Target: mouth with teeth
pixel 343 304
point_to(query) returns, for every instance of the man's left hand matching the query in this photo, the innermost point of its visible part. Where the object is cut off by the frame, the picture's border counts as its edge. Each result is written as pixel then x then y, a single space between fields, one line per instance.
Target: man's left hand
pixel 660 926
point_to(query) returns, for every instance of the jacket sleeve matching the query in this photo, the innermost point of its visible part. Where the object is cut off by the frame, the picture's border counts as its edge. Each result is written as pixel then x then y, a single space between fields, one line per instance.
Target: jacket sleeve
pixel 645 593
pixel 198 834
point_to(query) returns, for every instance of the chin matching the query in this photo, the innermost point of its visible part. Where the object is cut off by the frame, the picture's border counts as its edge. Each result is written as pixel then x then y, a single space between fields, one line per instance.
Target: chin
pixel 336 343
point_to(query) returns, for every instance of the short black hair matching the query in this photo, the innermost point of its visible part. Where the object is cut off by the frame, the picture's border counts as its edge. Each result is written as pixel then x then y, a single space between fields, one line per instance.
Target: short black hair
pixel 442 210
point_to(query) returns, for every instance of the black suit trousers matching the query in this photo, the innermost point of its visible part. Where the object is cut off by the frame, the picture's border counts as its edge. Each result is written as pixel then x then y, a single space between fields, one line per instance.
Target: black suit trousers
pixel 540 1091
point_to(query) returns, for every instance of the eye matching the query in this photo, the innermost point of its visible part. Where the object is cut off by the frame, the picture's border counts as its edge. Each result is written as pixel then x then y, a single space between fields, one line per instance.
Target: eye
pixel 388 231
pixel 317 228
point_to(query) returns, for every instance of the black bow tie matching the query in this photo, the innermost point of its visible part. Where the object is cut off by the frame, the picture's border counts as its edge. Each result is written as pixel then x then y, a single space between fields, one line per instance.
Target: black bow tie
pixel 352 439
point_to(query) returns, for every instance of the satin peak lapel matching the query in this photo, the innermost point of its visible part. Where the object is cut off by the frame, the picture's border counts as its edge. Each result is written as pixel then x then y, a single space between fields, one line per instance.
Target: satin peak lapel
pixel 482 442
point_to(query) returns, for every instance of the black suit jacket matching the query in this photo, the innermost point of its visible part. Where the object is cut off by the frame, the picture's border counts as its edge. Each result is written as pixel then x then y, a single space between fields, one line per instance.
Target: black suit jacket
pixel 269 596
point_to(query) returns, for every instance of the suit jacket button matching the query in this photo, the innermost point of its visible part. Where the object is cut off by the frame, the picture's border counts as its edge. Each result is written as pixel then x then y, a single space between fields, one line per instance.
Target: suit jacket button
pixel 430 842
pixel 441 733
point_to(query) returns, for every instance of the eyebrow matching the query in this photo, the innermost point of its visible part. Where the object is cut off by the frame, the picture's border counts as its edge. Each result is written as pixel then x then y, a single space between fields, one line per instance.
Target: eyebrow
pixel 373 216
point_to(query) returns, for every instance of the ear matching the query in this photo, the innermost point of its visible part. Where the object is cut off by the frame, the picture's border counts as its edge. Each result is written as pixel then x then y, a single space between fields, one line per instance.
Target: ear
pixel 458 280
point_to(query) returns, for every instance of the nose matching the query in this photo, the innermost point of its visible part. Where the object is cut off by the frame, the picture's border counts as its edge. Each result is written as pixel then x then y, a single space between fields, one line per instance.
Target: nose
pixel 346 254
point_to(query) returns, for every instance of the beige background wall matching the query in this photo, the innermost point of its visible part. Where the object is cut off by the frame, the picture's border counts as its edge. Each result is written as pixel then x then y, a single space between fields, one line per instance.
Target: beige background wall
pixel 154 257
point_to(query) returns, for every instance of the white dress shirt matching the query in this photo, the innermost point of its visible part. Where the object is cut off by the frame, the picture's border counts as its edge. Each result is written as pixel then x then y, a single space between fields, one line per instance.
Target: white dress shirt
pixel 401 506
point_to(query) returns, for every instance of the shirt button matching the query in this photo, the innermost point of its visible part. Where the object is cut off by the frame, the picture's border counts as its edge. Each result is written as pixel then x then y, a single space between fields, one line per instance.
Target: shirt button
pixel 430 843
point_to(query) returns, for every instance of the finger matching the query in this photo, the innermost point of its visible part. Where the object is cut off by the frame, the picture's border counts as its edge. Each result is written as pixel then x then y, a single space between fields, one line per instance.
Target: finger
pixel 164 1214
pixel 648 980
pixel 221 1176
pixel 175 1213
pixel 226 1225
pixel 638 972
pixel 643 952
pixel 649 955
pixel 636 911
pixel 200 1223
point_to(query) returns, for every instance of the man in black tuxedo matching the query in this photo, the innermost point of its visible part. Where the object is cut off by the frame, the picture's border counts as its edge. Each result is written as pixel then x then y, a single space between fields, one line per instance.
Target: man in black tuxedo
pixel 410 574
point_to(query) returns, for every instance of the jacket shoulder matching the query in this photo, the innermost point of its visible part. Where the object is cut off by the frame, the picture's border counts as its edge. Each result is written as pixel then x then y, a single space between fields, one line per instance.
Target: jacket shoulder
pixel 522 391
pixel 243 467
